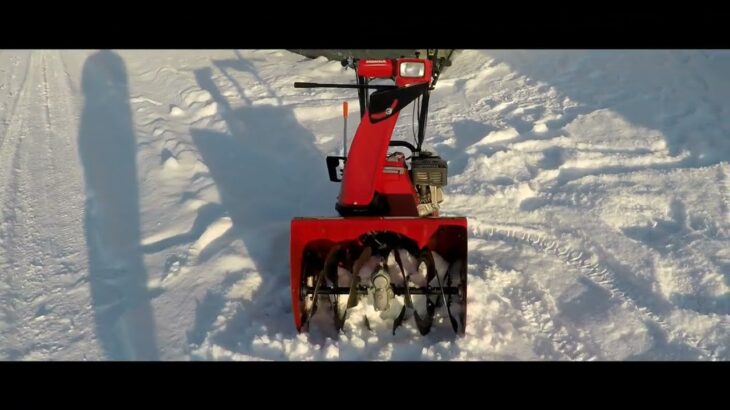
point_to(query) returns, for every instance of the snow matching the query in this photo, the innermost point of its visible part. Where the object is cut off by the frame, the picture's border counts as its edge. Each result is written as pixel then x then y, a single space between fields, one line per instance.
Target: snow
pixel 145 199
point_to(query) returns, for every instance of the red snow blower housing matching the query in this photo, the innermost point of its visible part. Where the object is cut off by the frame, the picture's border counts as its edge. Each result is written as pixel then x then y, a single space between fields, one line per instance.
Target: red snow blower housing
pixel 389 247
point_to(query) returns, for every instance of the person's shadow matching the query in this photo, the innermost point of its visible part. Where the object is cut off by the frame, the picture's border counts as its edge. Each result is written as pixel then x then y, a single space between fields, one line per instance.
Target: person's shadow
pixel 267 171
pixel 124 319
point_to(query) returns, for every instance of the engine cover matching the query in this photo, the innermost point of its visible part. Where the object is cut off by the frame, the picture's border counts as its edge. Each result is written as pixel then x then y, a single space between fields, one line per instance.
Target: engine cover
pixel 428 169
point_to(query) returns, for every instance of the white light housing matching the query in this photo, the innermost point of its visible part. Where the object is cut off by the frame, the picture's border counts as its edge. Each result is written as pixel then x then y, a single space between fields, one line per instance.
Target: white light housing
pixel 412 69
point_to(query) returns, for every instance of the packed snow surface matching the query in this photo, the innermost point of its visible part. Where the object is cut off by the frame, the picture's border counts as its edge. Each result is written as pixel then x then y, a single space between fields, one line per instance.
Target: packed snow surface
pixel 145 200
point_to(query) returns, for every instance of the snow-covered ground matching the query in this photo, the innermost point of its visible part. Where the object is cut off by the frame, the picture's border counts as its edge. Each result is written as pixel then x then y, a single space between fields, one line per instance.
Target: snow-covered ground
pixel 145 200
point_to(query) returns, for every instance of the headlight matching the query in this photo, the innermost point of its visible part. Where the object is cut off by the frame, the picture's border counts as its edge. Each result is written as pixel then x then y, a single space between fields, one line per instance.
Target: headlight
pixel 412 69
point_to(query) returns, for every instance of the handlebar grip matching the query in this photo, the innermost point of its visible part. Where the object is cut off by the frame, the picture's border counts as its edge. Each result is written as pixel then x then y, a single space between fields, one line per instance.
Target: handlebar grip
pixel 305 85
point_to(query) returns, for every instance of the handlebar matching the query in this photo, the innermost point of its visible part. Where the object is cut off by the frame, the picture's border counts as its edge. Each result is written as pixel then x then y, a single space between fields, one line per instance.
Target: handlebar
pixel 355 86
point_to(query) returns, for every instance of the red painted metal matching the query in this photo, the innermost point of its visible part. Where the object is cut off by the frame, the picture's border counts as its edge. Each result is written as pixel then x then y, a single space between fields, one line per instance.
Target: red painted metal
pixel 365 161
pixel 395 185
pixel 369 170
pixel 390 68
pixel 376 68
pixel 445 236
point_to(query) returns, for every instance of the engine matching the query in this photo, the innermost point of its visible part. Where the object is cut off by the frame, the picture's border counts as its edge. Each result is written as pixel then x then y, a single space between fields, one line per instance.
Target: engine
pixel 429 174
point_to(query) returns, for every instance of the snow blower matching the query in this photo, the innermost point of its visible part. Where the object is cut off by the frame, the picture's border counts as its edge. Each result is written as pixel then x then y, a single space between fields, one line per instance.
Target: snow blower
pixel 388 248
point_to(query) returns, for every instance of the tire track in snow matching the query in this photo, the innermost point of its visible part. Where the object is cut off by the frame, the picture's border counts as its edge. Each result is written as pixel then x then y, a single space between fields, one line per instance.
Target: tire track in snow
pixel 11 210
pixel 10 205
pixel 10 297
pixel 64 159
pixel 18 215
pixel 9 119
pixel 9 158
pixel 46 103
pixel 539 309
pixel 64 68
pixel 41 199
pixel 595 271
pixel 55 179
pixel 554 338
